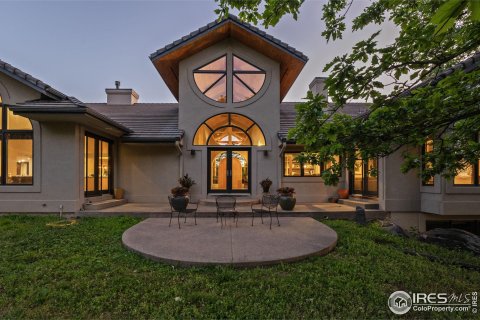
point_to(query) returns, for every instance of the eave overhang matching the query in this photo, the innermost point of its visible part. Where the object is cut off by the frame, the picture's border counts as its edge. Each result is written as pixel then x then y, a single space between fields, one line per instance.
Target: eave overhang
pixel 167 59
pixel 68 112
pixel 166 140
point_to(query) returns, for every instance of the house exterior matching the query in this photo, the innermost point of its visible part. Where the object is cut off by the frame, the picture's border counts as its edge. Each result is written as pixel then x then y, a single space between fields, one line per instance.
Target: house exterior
pixel 228 131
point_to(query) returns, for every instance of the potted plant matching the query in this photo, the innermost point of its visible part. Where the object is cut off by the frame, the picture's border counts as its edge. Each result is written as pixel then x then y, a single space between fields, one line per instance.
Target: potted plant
pixel 180 198
pixel 266 184
pixel 186 182
pixel 342 193
pixel 287 200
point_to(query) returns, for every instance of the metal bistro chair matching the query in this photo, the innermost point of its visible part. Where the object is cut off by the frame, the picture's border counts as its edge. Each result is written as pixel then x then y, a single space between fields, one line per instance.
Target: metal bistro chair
pixel 225 205
pixel 268 206
pixel 186 211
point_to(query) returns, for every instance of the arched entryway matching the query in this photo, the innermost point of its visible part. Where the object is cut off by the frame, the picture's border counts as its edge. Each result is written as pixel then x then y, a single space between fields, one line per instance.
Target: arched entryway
pixel 230 137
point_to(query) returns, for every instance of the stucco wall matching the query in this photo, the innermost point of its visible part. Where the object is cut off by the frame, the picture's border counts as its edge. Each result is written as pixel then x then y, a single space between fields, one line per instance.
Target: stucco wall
pixel 55 162
pixel 264 109
pixel 56 181
pixel 397 191
pixel 311 189
pixel 147 172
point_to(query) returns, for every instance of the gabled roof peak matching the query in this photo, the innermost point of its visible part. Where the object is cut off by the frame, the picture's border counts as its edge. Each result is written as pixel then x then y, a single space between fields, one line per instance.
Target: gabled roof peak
pixel 34 83
pixel 215 24
pixel 166 60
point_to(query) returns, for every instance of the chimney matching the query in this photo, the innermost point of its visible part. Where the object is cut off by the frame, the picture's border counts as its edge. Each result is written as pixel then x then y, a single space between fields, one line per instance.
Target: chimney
pixel 317 86
pixel 121 96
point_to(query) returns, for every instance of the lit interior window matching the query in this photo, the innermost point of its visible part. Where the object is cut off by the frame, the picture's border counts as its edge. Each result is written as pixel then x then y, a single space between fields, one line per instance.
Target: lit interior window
pixel 428 147
pixel 229 129
pixel 465 177
pixel 292 167
pixel 16 159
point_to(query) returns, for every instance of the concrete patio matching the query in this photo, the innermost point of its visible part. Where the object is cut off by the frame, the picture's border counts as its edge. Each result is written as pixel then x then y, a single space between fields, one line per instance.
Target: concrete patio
pixel 207 243
pixel 153 210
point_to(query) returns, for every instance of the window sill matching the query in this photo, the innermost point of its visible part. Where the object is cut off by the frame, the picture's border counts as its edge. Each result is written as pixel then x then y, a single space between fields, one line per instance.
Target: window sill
pixel 19 188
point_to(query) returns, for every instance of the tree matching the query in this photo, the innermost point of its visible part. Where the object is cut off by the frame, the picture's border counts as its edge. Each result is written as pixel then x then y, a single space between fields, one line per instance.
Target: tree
pixel 411 99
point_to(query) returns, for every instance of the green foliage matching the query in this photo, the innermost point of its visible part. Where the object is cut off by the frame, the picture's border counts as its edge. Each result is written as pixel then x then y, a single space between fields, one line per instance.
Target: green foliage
pixel 272 12
pixel 186 181
pixel 84 272
pixel 432 36
pixel 449 13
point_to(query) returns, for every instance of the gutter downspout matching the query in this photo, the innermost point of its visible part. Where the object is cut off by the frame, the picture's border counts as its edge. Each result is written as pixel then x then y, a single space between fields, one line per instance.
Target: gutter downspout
pixel 282 146
pixel 178 145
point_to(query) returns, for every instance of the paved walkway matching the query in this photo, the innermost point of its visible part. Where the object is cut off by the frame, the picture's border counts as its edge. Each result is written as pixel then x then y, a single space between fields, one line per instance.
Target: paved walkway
pixel 208 244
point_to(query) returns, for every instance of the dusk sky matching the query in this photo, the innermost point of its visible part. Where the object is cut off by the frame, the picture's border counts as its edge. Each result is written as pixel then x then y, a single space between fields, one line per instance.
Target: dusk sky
pixel 81 48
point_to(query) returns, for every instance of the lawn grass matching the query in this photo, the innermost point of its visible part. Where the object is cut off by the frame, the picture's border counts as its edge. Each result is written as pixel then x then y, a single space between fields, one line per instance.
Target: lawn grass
pixel 83 271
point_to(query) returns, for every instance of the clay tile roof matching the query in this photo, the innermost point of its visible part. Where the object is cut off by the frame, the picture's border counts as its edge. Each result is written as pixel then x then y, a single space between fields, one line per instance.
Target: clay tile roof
pixel 288 115
pixel 148 122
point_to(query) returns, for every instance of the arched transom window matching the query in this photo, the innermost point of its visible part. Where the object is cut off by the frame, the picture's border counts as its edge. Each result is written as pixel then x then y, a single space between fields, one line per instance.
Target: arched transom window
pixel 229 129
pixel 16 148
pixel 212 78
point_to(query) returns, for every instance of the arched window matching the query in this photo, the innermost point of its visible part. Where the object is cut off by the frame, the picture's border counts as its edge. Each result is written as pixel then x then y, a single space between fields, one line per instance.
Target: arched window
pixel 211 79
pixel 16 148
pixel 229 129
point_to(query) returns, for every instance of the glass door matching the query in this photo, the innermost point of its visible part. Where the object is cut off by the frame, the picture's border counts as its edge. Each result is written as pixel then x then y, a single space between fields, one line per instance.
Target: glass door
pixel 98 166
pixel 229 170
pixel 363 181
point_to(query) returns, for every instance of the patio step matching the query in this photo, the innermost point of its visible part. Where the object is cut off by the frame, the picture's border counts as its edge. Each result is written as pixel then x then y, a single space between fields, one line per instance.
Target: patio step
pixel 357 202
pixel 241 201
pixel 99 205
pixel 103 197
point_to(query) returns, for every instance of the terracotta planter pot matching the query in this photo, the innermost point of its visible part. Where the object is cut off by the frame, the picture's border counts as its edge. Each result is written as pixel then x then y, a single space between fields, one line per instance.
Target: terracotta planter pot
pixel 342 193
pixel 180 203
pixel 287 202
pixel 118 193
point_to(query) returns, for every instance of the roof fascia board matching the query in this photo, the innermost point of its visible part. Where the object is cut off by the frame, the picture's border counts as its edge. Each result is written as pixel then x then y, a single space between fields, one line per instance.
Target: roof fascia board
pixel 29 84
pixel 25 110
pixel 154 56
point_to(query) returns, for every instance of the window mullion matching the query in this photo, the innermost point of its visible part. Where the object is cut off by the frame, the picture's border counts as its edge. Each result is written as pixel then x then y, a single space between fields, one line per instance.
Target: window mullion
pixel 213 84
pixel 246 85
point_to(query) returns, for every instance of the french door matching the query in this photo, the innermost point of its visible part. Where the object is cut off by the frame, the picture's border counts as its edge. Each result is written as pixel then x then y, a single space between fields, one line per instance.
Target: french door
pixel 362 180
pixel 98 166
pixel 228 170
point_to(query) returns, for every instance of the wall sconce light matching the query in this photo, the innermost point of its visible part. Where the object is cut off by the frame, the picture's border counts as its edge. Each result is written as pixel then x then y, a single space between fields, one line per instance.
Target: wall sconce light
pixel 265 153
pixel 192 152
